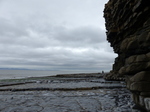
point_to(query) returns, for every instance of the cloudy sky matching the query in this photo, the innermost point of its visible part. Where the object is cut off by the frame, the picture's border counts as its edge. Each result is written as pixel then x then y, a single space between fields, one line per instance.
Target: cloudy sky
pixel 54 35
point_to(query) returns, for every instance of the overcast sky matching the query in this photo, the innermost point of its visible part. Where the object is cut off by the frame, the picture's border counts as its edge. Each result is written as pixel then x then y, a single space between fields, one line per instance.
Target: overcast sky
pixel 54 35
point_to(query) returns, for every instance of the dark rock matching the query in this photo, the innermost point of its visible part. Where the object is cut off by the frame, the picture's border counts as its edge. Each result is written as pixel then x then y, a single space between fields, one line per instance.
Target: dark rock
pixel 128 31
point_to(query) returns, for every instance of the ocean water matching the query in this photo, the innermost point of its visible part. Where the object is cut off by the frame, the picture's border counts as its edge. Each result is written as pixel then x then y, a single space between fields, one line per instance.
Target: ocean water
pixel 13 74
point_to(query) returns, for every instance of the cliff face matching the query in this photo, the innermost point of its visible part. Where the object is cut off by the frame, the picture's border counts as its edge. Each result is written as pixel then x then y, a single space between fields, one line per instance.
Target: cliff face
pixel 128 31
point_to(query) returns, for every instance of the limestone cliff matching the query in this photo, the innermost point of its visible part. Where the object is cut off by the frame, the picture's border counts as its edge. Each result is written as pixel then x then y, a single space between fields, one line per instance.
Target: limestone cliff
pixel 128 31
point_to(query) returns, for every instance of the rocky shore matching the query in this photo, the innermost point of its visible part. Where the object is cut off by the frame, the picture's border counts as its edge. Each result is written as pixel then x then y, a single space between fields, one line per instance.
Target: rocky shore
pixel 65 93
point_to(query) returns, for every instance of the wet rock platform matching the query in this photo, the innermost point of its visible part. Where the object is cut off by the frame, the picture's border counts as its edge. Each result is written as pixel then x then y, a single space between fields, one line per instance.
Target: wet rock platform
pixel 65 94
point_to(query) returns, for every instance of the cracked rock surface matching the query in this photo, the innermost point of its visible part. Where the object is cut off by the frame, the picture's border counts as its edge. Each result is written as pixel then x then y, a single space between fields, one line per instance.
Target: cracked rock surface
pixel 75 100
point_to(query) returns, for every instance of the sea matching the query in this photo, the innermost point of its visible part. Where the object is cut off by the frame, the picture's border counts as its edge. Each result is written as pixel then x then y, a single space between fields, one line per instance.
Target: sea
pixel 17 74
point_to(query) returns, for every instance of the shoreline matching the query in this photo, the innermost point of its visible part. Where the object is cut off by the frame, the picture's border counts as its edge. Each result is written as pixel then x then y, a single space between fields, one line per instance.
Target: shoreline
pixel 77 88
pixel 18 74
pixel 59 75
pixel 72 92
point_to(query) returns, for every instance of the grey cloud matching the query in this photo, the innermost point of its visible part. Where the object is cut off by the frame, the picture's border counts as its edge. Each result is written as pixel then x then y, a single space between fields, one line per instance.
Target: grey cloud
pixel 49 35
pixel 88 33
pixel 7 28
pixel 53 37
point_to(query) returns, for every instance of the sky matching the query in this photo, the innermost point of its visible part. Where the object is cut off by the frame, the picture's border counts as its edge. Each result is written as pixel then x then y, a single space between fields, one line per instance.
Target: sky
pixel 54 35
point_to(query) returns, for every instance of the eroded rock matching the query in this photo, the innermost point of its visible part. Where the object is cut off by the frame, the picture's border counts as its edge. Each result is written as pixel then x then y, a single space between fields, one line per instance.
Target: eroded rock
pixel 128 31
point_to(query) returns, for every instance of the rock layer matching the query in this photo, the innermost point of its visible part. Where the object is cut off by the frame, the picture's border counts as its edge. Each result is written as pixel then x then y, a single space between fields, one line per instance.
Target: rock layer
pixel 64 94
pixel 128 31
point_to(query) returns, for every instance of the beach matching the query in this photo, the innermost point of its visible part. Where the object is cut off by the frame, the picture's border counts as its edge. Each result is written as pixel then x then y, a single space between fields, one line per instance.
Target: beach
pixel 65 93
